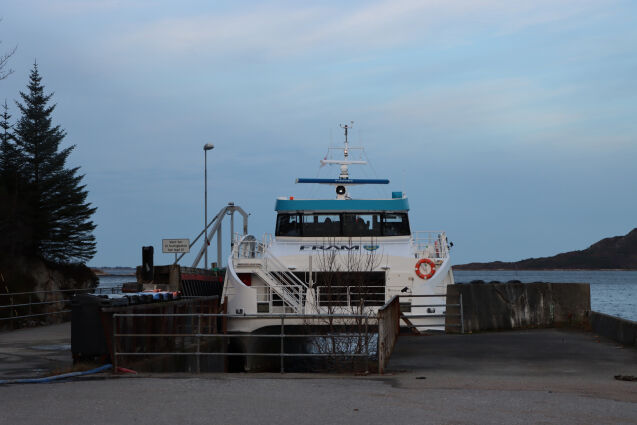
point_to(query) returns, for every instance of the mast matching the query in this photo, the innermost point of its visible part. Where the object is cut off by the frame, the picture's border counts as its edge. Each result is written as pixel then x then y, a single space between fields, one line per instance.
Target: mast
pixel 345 163
pixel 343 181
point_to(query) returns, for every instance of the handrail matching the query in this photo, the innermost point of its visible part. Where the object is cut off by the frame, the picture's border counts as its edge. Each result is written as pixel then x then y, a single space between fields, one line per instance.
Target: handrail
pixel 28 306
pixel 433 243
pixel 8 294
pixel 357 341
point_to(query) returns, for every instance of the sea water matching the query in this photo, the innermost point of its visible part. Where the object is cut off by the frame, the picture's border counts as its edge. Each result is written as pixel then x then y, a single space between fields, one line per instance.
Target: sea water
pixel 613 292
pixel 117 278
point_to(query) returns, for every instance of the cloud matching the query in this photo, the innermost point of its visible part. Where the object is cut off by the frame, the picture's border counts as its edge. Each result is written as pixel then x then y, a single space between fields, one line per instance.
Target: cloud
pixel 475 106
pixel 280 31
pixel 75 7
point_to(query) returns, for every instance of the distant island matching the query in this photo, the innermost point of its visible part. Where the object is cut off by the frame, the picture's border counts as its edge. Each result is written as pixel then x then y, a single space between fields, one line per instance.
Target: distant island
pixel 619 252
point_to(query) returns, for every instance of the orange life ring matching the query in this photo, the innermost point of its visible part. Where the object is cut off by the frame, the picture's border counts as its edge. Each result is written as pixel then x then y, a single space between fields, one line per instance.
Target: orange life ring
pixel 432 266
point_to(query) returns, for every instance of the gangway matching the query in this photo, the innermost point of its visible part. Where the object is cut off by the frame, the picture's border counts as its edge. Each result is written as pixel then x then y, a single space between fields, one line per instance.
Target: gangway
pixel 214 227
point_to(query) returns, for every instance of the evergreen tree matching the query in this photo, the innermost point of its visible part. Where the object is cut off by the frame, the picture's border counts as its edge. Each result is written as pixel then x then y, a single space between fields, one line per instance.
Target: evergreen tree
pixel 8 152
pixel 59 216
pixel 12 225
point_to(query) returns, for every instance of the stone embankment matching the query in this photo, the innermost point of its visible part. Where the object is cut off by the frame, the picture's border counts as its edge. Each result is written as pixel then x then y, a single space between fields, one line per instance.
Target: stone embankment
pixel 500 306
pixel 44 282
pixel 508 306
pixel 620 330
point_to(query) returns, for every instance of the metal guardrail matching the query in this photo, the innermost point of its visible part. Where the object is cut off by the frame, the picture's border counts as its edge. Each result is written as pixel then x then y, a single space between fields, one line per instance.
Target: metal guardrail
pixel 349 296
pixel 357 331
pixel 361 340
pixel 433 244
pixel 27 304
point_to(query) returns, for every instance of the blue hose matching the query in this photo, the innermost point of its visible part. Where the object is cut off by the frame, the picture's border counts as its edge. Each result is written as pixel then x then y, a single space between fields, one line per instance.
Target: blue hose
pixel 56 377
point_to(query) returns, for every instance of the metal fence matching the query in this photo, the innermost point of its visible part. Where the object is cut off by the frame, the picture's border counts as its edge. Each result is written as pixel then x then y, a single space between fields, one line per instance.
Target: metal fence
pixel 340 337
pixel 25 305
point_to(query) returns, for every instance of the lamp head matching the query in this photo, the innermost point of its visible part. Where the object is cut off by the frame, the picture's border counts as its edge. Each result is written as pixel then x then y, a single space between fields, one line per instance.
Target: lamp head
pixel 208 146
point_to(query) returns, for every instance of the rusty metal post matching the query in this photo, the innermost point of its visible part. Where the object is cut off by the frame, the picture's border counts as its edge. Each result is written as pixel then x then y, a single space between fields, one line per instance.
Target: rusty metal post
pixel 224 322
pixel 366 340
pixel 199 344
pixel 114 356
pixel 381 341
pixel 209 321
pixel 461 316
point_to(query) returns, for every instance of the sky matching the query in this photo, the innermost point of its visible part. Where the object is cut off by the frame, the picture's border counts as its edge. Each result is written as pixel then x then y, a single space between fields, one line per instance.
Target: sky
pixel 509 125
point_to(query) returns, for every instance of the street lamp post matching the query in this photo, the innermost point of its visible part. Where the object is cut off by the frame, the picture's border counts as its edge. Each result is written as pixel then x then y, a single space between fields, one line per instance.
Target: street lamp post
pixel 206 148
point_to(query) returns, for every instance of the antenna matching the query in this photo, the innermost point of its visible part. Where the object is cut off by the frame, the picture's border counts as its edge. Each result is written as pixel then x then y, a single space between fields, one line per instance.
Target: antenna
pixel 344 168
pixel 346 128
pixel 343 181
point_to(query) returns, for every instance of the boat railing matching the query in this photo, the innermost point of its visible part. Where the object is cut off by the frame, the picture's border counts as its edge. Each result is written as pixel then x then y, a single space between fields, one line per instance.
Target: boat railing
pixel 330 297
pixel 268 238
pixel 246 247
pixel 350 296
pixel 431 244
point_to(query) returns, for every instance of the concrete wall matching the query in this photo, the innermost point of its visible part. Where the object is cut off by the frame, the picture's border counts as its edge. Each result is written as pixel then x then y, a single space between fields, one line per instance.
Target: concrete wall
pixel 621 330
pixel 497 306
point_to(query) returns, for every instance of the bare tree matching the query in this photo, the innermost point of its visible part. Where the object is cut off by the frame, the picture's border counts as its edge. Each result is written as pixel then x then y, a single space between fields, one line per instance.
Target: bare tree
pixel 342 288
pixel 4 59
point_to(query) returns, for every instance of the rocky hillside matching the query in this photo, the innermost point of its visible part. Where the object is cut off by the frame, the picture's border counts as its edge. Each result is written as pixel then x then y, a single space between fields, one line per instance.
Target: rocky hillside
pixel 46 278
pixel 619 252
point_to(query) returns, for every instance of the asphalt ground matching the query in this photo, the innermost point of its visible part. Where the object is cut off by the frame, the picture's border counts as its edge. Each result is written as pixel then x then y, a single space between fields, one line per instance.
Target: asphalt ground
pixel 524 377
pixel 34 352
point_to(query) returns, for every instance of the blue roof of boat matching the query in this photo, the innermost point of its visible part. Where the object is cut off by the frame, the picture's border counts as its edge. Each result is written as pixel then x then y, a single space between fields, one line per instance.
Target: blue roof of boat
pixel 396 204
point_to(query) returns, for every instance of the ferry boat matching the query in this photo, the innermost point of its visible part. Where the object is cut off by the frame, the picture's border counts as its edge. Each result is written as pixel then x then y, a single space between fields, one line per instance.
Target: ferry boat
pixel 338 256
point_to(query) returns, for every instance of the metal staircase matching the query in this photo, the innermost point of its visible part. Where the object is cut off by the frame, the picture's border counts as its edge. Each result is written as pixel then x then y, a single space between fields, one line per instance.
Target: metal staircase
pixel 285 284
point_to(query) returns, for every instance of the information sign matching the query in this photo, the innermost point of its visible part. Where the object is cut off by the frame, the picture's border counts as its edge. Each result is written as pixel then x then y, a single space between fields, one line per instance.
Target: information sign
pixel 175 245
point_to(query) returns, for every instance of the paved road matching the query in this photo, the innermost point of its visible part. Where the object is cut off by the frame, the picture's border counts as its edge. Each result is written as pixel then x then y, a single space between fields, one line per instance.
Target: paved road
pixel 531 377
pixel 33 352
pixel 256 399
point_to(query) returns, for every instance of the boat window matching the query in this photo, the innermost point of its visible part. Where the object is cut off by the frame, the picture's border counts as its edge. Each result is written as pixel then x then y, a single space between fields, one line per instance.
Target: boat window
pixel 321 225
pixel 395 224
pixel 346 224
pixel 361 225
pixel 288 225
